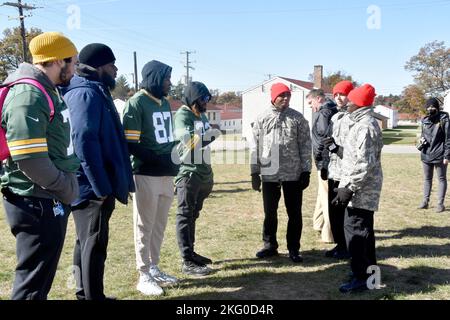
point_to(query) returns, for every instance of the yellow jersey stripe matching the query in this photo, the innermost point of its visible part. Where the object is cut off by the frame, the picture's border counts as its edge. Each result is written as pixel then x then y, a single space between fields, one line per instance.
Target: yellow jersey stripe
pixel 28 151
pixel 36 145
pixel 132 138
pixel 132 132
pixel 26 142
pixel 193 141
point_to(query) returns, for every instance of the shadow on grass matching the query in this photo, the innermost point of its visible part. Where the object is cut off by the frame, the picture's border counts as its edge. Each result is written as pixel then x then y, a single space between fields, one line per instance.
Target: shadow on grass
pixel 315 285
pixel 426 250
pixel 237 190
pixel 425 232
pixel 390 140
pixel 233 182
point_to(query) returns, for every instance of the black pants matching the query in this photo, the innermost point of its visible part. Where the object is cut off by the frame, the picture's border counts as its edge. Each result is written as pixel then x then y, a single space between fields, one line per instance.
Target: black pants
pixel 191 193
pixel 360 237
pixel 92 228
pixel 293 194
pixel 337 214
pixel 39 240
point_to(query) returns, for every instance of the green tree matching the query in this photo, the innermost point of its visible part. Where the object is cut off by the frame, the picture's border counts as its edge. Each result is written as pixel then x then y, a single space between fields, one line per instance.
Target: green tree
pixel 432 68
pixel 334 77
pixel 215 93
pixel 176 92
pixel 11 49
pixel 230 98
pixel 389 100
pixel 122 88
pixel 413 100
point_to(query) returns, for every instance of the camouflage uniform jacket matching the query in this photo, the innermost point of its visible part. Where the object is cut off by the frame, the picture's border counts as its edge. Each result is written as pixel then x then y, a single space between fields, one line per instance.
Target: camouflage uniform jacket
pixel 338 121
pixel 282 145
pixel 361 163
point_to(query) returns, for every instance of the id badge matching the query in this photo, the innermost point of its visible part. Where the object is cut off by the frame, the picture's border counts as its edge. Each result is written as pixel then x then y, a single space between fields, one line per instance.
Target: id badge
pixel 58 209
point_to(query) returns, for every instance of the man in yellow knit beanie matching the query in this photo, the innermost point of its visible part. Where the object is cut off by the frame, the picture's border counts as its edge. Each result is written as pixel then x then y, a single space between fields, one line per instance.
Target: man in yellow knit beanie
pixel 39 182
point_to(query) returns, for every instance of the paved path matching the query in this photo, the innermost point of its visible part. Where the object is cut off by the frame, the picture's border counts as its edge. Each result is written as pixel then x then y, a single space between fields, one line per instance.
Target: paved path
pixel 400 149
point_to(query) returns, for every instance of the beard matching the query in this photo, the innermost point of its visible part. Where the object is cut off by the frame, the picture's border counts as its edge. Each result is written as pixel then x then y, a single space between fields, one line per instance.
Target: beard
pixel 108 81
pixel 201 109
pixel 64 76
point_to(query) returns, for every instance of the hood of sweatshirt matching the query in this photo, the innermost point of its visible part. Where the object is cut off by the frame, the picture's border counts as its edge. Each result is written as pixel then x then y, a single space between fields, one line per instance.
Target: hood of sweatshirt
pixel 194 91
pixel 26 70
pixel 153 75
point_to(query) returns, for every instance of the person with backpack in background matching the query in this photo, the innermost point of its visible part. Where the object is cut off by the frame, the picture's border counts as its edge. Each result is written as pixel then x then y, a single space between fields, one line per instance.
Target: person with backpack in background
pixel 434 149
pixel 39 182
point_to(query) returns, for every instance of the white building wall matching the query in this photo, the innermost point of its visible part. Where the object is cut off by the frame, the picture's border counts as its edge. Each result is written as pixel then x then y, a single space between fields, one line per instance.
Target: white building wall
pixel 446 105
pixel 256 100
pixel 389 113
pixel 231 125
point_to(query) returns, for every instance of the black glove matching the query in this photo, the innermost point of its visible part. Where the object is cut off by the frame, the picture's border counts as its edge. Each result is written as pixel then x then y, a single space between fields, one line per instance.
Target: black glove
pixel 344 195
pixel 256 182
pixel 324 174
pixel 318 156
pixel 304 180
pixel 331 145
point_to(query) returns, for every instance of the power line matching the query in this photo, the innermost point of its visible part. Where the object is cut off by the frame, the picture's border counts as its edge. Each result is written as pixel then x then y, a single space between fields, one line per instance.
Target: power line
pixel 21 17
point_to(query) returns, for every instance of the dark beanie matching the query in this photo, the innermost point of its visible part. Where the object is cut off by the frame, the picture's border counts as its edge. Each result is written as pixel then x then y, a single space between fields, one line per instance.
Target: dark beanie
pixel 432 102
pixel 96 55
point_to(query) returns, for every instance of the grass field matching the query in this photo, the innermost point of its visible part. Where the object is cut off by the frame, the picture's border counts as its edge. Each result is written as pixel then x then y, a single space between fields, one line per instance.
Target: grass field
pixel 413 247
pixel 406 135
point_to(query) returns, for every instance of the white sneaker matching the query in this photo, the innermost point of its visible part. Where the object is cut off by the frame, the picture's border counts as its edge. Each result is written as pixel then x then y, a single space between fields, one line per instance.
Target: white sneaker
pixel 148 286
pixel 161 277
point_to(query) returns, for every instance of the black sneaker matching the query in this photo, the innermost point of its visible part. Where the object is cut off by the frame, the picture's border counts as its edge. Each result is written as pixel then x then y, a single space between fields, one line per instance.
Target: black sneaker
pixel 295 256
pixel 193 268
pixel 342 255
pixel 200 259
pixel 330 253
pixel 439 208
pixel 265 253
pixel 355 285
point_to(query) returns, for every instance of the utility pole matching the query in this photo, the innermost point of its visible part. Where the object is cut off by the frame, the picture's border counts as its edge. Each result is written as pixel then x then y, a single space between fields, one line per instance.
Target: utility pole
pixel 188 65
pixel 269 75
pixel 22 7
pixel 135 73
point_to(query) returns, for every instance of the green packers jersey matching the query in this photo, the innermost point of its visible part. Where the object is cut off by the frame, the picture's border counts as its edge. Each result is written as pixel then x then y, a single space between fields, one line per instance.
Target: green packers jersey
pixel 189 131
pixel 148 121
pixel 30 134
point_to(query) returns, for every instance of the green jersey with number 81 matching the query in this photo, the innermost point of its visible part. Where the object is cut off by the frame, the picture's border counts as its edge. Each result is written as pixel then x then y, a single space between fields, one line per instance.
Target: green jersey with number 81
pixel 148 121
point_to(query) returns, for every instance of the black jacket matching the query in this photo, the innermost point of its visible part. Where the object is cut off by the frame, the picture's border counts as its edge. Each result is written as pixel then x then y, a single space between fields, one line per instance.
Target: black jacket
pixel 320 130
pixel 98 139
pixel 436 131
